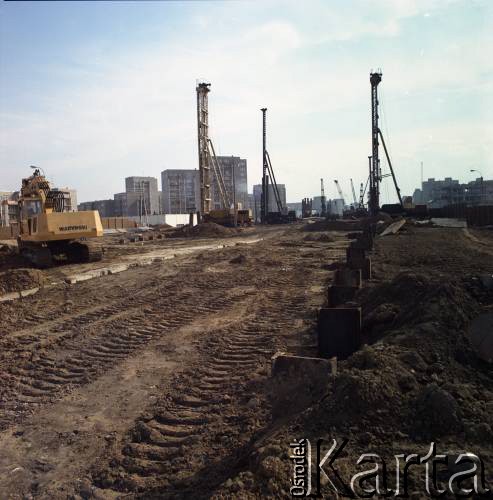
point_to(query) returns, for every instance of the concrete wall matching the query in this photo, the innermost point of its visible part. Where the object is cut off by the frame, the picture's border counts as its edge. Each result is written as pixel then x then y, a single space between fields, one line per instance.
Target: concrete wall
pixel 170 219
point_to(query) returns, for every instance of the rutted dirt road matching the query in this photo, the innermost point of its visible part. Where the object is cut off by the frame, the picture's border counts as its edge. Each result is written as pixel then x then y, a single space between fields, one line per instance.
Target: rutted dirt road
pixel 151 382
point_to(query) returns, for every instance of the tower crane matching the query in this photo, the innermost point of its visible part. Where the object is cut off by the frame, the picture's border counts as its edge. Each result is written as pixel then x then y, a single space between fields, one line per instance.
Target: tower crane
pixel 354 194
pixel 339 190
pixel 322 199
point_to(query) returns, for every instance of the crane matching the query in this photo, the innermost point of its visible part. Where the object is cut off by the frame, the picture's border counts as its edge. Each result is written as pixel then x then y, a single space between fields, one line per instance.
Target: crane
pixel 354 194
pixel 322 199
pixel 339 190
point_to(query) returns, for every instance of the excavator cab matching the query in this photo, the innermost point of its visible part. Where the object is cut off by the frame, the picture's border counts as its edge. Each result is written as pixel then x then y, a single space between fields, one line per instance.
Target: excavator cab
pixel 47 231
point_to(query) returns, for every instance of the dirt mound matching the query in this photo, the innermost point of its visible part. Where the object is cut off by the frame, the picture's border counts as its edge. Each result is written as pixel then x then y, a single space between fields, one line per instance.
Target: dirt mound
pixel 204 230
pixel 21 279
pixel 333 225
pixel 324 237
pixel 414 298
pixel 239 259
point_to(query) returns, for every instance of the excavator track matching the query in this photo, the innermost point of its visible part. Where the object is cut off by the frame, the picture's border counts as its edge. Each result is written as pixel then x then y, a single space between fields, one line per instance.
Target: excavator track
pixel 83 251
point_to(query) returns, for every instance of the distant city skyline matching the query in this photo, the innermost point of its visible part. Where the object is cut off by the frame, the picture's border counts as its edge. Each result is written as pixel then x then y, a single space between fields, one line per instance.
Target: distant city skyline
pixel 97 92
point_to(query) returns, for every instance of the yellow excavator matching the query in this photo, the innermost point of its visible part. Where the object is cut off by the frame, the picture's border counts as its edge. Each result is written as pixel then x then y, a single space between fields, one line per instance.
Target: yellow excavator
pixel 48 232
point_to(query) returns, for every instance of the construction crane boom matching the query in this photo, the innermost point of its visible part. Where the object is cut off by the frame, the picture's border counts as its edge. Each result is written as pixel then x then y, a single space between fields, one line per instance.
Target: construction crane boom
pixel 339 190
pixel 354 193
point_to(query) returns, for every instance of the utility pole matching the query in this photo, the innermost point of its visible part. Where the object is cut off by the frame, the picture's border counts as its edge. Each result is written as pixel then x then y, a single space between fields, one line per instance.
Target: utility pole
pixel 264 199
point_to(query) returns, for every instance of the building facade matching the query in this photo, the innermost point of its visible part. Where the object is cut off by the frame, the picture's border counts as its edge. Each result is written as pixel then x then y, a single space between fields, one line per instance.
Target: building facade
pixel 180 191
pixel 440 193
pixel 272 206
pixel 106 208
pixel 234 172
pixel 120 204
pixel 142 196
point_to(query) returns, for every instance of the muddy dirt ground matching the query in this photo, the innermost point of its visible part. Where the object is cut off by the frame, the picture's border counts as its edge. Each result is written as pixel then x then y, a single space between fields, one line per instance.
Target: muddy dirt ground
pixel 155 382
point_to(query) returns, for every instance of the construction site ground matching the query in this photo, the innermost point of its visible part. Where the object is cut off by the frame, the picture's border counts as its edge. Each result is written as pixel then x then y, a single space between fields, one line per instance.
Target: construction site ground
pixel 155 381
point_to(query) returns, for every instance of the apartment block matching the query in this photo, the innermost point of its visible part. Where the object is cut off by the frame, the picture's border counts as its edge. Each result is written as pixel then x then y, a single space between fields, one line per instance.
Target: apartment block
pixel 180 191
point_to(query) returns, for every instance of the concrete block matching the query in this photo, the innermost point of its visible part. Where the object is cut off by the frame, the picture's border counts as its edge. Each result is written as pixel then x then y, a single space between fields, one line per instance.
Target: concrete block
pixel 339 331
pixel 347 277
pixel 339 294
pixel 355 257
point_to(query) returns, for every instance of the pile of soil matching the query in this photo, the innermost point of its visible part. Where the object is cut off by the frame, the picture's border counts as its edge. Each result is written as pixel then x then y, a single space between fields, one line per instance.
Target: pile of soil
pixel 204 230
pixel 9 258
pixel 239 259
pixel 16 280
pixel 418 381
pixel 324 237
pixel 332 225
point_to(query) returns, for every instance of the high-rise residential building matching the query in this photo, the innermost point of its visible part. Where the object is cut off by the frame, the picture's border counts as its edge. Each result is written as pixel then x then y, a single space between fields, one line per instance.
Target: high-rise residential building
pixel 441 193
pixel 180 191
pixel 234 173
pixel 257 196
pixel 120 204
pixel 142 196
pixel 5 195
pixel 106 208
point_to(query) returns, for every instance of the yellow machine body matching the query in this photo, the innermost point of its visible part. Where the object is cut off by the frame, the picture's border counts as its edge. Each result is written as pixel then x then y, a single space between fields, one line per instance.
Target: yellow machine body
pixel 54 226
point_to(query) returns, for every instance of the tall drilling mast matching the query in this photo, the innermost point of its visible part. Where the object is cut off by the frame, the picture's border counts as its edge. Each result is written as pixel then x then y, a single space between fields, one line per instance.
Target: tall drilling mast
pixel 375 172
pixel 267 171
pixel 264 201
pixel 204 157
pixel 322 199
pixel 207 155
pixel 375 178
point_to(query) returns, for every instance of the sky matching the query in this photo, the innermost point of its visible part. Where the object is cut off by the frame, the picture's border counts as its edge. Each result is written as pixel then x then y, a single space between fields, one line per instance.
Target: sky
pixel 94 92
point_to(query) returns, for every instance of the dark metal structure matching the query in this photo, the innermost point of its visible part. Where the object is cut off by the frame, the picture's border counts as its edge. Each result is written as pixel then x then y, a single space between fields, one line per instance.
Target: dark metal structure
pixel 375 171
pixel 207 155
pixel 267 176
pixel 323 201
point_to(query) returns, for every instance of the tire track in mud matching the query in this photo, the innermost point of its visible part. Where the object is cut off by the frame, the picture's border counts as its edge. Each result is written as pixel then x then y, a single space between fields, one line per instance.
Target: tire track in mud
pixel 76 351
pixel 190 431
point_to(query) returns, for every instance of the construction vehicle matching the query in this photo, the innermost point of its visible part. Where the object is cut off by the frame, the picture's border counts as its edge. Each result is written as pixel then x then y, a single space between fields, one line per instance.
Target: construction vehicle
pixel 269 184
pixel 47 232
pixel 230 217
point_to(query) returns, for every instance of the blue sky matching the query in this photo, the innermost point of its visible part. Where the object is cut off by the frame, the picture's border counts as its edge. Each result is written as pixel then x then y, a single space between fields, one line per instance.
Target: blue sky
pixel 95 92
